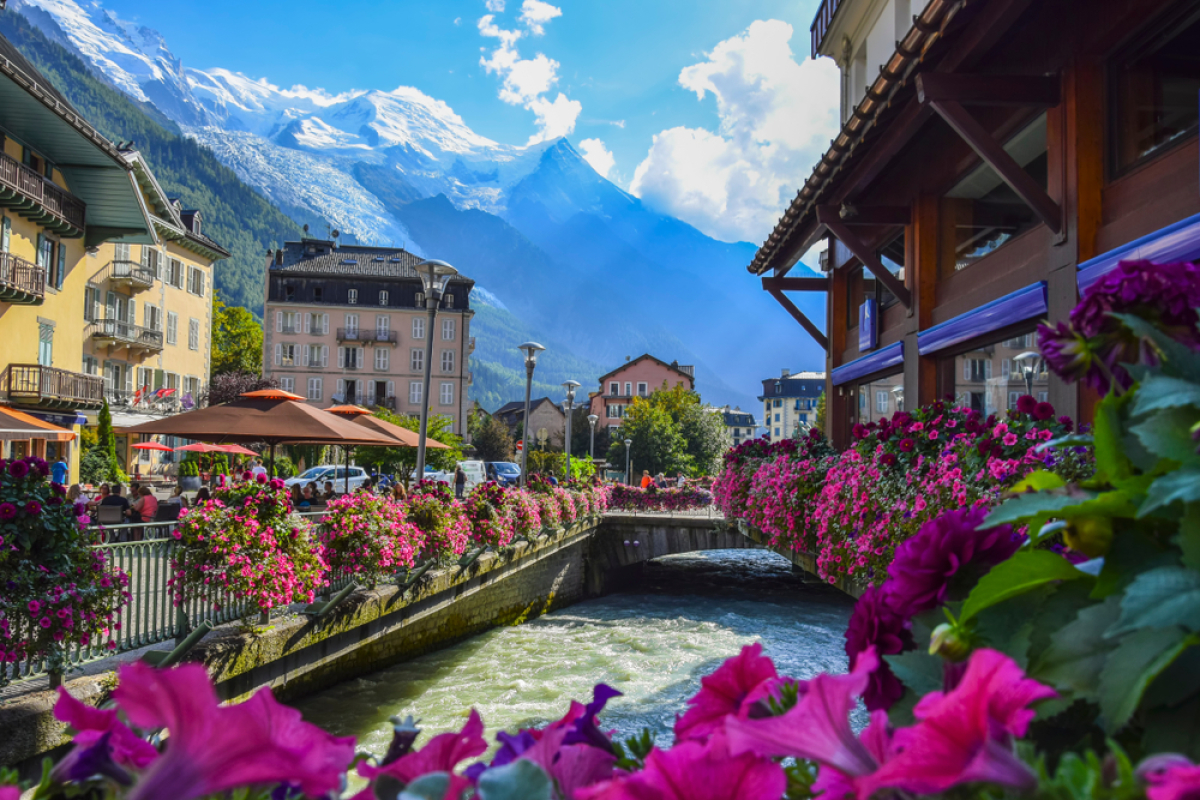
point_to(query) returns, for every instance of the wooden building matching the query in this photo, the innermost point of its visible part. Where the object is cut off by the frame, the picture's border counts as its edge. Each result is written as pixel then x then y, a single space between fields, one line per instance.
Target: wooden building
pixel 993 163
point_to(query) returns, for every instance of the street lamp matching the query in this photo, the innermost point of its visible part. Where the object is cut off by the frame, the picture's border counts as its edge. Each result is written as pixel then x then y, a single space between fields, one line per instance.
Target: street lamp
pixel 627 475
pixel 592 447
pixel 531 350
pixel 569 405
pixel 434 277
pixel 1028 360
pixel 898 391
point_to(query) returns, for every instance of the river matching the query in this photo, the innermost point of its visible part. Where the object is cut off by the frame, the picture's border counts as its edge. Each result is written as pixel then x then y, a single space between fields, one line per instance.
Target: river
pixel 654 644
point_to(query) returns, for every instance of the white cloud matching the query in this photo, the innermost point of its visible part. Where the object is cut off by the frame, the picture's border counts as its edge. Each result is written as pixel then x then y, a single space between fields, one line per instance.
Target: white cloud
pixel 494 6
pixel 527 82
pixel 595 153
pixel 535 14
pixel 776 119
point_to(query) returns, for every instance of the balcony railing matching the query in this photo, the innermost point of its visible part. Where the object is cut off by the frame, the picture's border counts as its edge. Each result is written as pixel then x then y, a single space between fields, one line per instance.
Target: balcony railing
pixel 134 274
pixel 36 198
pixel 121 333
pixel 383 401
pixel 367 335
pixel 33 384
pixel 821 23
pixel 21 282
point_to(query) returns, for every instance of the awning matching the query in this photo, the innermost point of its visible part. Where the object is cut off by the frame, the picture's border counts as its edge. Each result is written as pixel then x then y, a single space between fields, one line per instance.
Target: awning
pixel 884 358
pixel 1178 242
pixel 61 420
pixel 1021 305
pixel 17 425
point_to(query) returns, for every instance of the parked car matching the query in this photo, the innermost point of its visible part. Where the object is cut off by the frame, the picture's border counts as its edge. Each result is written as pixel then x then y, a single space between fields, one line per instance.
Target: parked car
pixel 335 474
pixel 505 473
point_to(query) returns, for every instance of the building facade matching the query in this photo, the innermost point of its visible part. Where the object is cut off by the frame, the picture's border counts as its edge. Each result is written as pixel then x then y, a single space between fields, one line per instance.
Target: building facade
pixel 740 423
pixel 347 325
pixel 790 403
pixel 65 191
pixel 544 415
pixel 636 378
pixel 988 171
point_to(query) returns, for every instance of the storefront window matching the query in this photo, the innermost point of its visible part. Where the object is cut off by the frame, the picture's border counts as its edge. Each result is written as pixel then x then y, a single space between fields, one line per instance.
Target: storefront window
pixel 1154 87
pixel 990 378
pixel 984 212
pixel 880 398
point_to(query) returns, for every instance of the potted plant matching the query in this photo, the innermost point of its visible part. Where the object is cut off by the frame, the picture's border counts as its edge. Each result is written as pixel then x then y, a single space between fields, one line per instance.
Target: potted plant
pixel 189 475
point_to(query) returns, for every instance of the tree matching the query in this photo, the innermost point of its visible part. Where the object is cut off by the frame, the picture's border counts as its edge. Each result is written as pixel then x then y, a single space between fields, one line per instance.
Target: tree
pixel 403 460
pixel 820 423
pixel 107 445
pixel 657 444
pixel 706 439
pixel 581 434
pixel 492 440
pixel 237 340
pixel 231 385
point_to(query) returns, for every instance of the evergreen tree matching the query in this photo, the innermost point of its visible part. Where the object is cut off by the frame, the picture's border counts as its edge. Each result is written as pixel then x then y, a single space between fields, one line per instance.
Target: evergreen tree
pixel 820 423
pixel 107 445
pixel 492 440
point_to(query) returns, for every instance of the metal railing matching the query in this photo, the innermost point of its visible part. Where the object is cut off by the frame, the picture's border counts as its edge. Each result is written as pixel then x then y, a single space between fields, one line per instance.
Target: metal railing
pixel 126 333
pixel 59 210
pixel 132 273
pixel 21 281
pixel 821 23
pixel 367 335
pixel 50 386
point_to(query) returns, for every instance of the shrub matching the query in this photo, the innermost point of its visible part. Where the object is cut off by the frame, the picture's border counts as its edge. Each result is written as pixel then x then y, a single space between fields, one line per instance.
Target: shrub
pixel 432 508
pixel 487 510
pixel 368 536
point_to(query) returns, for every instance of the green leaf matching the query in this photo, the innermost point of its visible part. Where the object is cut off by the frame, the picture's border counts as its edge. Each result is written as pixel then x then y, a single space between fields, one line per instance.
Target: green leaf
pixel 1133 552
pixel 1025 571
pixel 1008 626
pixel 1039 481
pixel 520 780
pixel 1070 440
pixel 1111 461
pixel 1174 730
pixel 1188 539
pixel 1169 434
pixel 1162 391
pixel 1179 486
pixel 427 787
pixel 1034 505
pixel 1179 360
pixel 1076 655
pixel 1160 598
pixel 917 670
pixel 1137 661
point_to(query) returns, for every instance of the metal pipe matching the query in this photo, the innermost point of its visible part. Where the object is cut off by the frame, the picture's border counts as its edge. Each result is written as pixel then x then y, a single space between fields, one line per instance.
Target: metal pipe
pixel 432 298
pixel 529 364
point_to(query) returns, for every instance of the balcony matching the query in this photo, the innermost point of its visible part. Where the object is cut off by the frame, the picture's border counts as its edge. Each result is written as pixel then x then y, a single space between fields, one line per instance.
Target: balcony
pixel 471 346
pixel 34 197
pixel 388 402
pixel 367 335
pixel 35 385
pixel 821 23
pixel 134 274
pixel 117 333
pixel 21 282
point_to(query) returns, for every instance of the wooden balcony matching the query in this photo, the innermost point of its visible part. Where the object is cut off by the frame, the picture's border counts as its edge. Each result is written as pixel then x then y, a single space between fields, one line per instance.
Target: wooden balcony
pixel 35 197
pixel 821 23
pixel 367 335
pixel 118 333
pixel 134 274
pixel 49 387
pixel 21 282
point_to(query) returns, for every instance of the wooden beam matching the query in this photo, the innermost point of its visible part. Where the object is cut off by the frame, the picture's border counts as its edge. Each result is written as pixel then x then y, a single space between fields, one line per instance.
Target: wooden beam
pixel 796 284
pixel 867 215
pixel 1038 91
pixel 868 259
pixel 987 148
pixel 799 316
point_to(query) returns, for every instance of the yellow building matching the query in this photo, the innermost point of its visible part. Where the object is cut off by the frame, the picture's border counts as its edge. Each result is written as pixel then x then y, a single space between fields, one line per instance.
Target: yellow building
pixel 64 189
pixel 148 310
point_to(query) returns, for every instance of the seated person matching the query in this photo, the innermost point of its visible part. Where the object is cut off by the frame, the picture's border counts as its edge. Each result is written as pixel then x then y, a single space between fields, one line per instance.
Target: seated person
pixel 177 498
pixel 105 491
pixel 145 507
pixel 306 498
pixel 328 494
pixel 114 498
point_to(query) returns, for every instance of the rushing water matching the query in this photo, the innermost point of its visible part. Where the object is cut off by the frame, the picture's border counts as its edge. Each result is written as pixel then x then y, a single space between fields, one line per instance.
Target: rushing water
pixel 654 644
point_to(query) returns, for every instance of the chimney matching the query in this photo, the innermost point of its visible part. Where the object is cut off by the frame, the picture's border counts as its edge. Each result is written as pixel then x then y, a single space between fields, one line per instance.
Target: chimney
pixel 786 372
pixel 627 358
pixel 270 258
pixel 279 257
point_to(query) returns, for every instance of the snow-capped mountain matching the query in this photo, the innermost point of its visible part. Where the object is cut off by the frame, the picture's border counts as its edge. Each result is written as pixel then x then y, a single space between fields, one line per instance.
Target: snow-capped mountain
pixel 562 247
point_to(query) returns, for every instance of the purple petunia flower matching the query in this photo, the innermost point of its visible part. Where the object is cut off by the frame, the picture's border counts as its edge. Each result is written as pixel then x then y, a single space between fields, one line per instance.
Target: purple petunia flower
pixel 907 445
pixel 875 624
pixel 925 568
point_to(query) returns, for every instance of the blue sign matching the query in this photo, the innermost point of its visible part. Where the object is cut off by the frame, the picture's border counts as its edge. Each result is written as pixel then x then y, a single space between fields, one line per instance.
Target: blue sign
pixel 868 325
pixel 61 420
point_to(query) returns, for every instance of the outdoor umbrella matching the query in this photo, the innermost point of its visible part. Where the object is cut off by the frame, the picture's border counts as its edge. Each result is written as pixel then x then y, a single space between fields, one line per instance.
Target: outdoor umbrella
pixel 236 449
pixel 199 447
pixel 152 446
pixel 358 414
pixel 404 436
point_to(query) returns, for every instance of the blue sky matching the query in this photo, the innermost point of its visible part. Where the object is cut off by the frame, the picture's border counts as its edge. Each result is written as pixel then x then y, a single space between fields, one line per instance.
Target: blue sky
pixel 620 60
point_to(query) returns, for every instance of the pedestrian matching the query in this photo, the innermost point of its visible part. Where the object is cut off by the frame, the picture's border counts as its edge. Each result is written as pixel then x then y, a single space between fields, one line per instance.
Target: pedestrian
pixel 681 481
pixel 646 479
pixel 202 496
pixel 258 468
pixel 58 472
pixel 460 481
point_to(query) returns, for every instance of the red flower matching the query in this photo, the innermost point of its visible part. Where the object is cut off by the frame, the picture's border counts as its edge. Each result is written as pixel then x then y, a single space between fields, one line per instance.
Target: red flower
pixel 1026 404
pixel 1043 411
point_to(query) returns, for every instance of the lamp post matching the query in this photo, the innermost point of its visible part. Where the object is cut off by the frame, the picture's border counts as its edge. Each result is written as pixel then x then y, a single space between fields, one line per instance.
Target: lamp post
pixel 1027 360
pixel 592 418
pixel 627 443
pixel 434 277
pixel 531 350
pixel 898 392
pixel 569 405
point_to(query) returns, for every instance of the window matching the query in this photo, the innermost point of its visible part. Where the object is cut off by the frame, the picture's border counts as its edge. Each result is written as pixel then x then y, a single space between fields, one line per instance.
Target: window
pixel 351 326
pixel 984 211
pixel 448 361
pixel 350 357
pixel 642 389
pixel 1153 90
pixel 150 259
pixel 289 293
pixel 381 359
pixel 314 389
pixel 628 389
pixel 172 327
pixel 316 324
pixel 976 370
pixel 447 330
pixel 777 418
pixel 1043 397
pixel 287 383
pixel 352 296
pixel 316 355
pixel 776 433
pixel 778 403
pixel 420 299
pixel 316 294
pixel 120 252
pixel 383 324
pixel 193 334
pixel 881 402
pixel 175 273
pixel 614 389
pixel 615 411
pixel 418 328
pixel 46 345
pixel 5 234
pixel 91 365
pixel 196 281
pixel 46 260
pixel 1012 399
pixel 415 392
pixel 417 360
pixel 383 298
pixel 446 393
pixel 285 355
pixel 91 304
pixel 448 301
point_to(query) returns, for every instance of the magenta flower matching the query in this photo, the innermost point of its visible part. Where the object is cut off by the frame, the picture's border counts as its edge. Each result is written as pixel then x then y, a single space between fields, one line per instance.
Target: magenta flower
pixel 1043 411
pixel 1026 404
pixel 214 748
pixel 732 689
pixel 875 624
pixel 33 508
pixel 8 510
pixel 695 770
pixel 443 753
pixel 18 469
pixel 127 748
pixel 946 551
pixel 907 445
pixel 966 735
pixel 570 766
pixel 1170 777
pixel 10 793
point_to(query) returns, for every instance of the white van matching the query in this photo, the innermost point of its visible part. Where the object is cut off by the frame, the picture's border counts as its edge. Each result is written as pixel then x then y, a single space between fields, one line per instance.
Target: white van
pixel 476 474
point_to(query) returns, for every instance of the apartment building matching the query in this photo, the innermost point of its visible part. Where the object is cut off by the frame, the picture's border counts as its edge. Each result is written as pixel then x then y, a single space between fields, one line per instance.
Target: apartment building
pixel 65 191
pixel 347 325
pixel 790 402
pixel 740 423
pixel 636 378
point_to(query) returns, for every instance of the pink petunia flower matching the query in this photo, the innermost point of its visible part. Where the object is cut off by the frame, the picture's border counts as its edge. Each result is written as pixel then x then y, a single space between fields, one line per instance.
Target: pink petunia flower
pixel 215 748
pixel 695 770
pixel 443 753
pixel 966 735
pixel 571 766
pixel 1170 777
pixel 732 689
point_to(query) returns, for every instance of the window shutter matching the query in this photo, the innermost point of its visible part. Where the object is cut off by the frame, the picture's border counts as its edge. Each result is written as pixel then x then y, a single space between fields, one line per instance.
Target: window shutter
pixel 359 361
pixel 341 388
pixel 966 369
pixel 324 355
pixel 987 369
pixel 5 233
pixel 308 323
pixel 341 358
pixel 306 356
pixel 62 264
pixel 391 388
pixel 278 354
pixel 279 322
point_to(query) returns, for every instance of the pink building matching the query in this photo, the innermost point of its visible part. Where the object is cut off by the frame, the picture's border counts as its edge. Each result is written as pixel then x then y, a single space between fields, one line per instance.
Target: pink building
pixel 636 378
pixel 348 325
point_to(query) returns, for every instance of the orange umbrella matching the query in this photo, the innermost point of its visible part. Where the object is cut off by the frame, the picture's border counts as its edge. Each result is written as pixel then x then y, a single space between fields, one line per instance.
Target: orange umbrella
pixel 151 446
pixel 405 437
pixel 236 449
